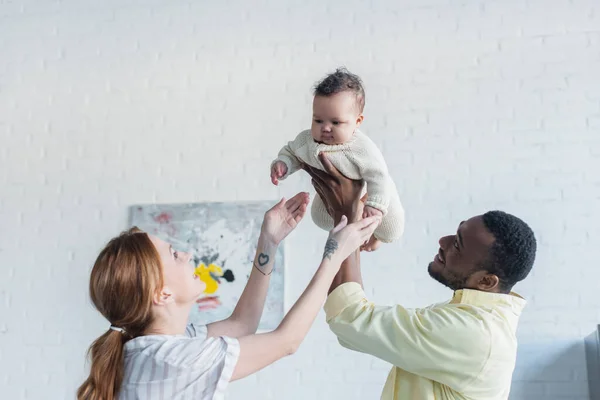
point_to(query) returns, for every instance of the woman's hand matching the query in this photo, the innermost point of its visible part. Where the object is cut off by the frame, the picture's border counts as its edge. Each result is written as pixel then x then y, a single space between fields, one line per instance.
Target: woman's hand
pixel 340 195
pixel 259 350
pixel 282 218
pixel 344 239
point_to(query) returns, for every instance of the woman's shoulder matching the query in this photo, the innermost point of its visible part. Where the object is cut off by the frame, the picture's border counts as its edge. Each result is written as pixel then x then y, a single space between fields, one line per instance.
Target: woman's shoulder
pixel 179 350
pixel 182 364
pixel 156 346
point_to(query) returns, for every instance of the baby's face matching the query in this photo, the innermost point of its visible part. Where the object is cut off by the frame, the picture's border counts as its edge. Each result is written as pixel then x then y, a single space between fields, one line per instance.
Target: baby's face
pixel 335 118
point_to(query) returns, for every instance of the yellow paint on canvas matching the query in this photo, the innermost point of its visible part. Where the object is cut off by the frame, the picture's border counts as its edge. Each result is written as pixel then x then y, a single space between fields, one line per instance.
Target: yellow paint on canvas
pixel 207 275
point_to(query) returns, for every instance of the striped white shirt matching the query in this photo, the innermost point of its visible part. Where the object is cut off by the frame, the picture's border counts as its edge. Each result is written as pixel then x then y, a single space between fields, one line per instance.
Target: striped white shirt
pixel 161 367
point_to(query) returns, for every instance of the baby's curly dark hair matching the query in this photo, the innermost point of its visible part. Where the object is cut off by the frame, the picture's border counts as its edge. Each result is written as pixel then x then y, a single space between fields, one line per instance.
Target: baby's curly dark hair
pixel 340 81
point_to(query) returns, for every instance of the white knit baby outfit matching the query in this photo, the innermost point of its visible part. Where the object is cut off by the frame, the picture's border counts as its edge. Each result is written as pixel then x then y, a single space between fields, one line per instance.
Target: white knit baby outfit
pixel 359 158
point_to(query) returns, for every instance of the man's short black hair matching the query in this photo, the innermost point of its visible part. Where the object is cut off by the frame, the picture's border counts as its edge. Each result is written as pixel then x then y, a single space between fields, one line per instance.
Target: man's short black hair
pixel 342 80
pixel 512 254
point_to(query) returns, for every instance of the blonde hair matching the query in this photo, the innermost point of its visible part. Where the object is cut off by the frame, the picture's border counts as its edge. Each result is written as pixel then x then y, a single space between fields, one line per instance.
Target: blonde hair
pixel 123 281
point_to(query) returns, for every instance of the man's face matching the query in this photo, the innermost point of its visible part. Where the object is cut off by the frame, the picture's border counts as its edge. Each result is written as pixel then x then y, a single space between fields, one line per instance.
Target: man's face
pixel 460 257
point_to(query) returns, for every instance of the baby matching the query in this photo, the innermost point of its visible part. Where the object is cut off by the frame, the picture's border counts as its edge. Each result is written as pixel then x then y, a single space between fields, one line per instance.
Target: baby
pixel 338 105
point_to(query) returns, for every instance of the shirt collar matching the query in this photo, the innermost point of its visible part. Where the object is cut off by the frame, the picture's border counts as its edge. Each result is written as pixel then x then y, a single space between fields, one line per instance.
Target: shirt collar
pixel 481 298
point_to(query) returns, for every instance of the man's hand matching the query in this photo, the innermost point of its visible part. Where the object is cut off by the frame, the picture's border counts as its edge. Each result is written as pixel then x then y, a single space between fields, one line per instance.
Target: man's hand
pixel 340 195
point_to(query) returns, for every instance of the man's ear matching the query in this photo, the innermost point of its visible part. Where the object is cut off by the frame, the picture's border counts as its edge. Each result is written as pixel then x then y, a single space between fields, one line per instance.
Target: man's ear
pixel 488 282
pixel 163 297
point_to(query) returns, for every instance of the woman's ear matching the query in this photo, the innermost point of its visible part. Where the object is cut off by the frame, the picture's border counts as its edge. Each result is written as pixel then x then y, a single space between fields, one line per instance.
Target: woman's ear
pixel 163 297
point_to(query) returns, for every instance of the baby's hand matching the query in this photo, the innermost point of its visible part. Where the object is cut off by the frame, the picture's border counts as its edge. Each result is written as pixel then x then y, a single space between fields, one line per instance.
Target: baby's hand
pixel 371 212
pixel 278 170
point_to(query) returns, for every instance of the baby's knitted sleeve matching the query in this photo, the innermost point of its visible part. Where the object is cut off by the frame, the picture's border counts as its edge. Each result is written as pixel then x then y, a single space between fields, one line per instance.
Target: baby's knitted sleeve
pixel 288 153
pixel 373 169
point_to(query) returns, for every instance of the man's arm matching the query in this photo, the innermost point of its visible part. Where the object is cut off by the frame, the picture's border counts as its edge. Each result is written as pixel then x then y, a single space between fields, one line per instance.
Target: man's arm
pixel 350 269
pixel 341 196
pixel 349 272
pixel 447 344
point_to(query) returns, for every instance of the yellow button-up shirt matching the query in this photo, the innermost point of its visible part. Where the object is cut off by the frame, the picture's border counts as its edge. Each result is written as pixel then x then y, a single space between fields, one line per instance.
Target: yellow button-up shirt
pixel 462 349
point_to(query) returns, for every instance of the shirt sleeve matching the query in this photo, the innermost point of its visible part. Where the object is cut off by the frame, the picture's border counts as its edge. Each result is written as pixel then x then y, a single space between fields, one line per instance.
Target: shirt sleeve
pixel 446 344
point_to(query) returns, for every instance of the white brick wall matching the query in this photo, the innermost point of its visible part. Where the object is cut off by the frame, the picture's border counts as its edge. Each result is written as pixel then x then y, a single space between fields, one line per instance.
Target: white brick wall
pixel 477 105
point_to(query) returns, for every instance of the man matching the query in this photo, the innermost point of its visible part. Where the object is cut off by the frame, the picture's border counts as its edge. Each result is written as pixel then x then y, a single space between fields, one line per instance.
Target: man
pixel 462 349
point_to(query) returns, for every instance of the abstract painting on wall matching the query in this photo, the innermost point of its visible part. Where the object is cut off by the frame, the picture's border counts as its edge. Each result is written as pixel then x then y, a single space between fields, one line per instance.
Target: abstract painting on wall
pixel 222 239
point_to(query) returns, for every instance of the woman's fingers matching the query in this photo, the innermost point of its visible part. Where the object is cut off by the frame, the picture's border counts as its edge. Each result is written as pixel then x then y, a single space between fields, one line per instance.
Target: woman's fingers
pixel 292 204
pixel 300 209
pixel 296 202
pixel 368 229
pixel 365 223
pixel 343 222
pixel 299 213
pixel 373 224
pixel 366 226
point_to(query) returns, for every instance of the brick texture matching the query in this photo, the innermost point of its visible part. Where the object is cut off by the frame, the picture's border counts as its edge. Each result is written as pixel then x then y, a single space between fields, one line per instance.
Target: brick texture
pixel 477 105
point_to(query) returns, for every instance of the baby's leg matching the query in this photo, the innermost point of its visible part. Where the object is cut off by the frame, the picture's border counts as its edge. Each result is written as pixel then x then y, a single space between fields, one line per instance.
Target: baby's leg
pixel 392 224
pixel 319 214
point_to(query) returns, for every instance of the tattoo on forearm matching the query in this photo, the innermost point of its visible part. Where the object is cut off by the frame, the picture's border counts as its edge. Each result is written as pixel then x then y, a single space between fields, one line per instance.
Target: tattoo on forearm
pixel 262 260
pixel 261 271
pixel 330 248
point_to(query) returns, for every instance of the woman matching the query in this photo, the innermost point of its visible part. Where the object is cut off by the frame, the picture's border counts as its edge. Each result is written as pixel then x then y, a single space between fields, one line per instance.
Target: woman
pixel 146 290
